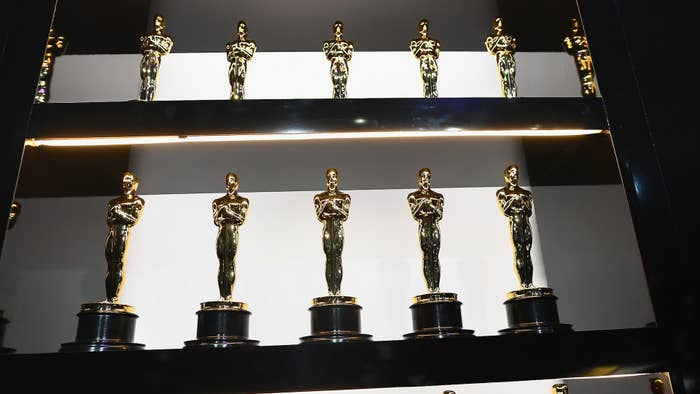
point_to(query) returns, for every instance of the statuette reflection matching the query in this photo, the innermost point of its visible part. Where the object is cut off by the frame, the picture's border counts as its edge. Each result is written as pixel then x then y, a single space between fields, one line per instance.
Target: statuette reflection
pixel 153 46
pixel 339 52
pixel 15 210
pixel 427 51
pixel 516 204
pixel 55 46
pixel 332 209
pixel 576 45
pixel 238 53
pixel 503 46
pixel 123 213
pixel 426 208
pixel 229 213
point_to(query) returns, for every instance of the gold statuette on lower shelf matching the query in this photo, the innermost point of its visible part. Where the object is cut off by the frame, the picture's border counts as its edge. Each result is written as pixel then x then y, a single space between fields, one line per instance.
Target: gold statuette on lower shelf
pixel 224 323
pixel 238 53
pixel 503 47
pixel 339 52
pixel 576 45
pixel 335 317
pixel 153 47
pixel 435 314
pixel 109 325
pixel 560 388
pixel 427 51
pixel 530 309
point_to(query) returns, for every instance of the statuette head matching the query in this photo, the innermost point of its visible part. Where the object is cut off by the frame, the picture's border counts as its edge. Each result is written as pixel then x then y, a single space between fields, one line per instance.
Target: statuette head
pixel 424 176
pixel 159 23
pixel 498 26
pixel 338 30
pixel 130 183
pixel 511 175
pixel 242 30
pixel 574 26
pixel 231 182
pixel 331 180
pixel 423 28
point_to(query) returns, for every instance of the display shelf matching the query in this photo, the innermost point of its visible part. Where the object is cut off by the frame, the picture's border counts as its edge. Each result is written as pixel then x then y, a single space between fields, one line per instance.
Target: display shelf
pixel 308 367
pixel 215 117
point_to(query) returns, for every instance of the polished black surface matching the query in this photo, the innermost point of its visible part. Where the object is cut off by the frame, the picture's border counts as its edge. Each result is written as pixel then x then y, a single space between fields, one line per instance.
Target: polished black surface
pixel 437 320
pixel 221 328
pixel 213 117
pixel 100 332
pixel 347 365
pixel 533 315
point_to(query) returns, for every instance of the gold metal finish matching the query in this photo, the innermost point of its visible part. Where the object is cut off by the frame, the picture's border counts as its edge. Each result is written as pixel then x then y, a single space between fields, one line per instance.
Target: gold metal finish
pixel 123 213
pixel 229 213
pixel 238 53
pixel 427 50
pixel 106 307
pixel 577 46
pixel 533 292
pixel 15 210
pixel 434 297
pixel 503 46
pixel 334 300
pixel 332 209
pixel 224 306
pixel 516 204
pixel 426 208
pixel 339 52
pixel 55 46
pixel 657 386
pixel 153 47
pixel 560 388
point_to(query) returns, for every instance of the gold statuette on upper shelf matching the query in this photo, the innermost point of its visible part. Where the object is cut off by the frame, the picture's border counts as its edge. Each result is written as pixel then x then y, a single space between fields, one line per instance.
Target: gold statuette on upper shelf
pixel 238 53
pixel 153 46
pixel 55 46
pixel 427 51
pixel 503 47
pixel 339 52
pixel 576 45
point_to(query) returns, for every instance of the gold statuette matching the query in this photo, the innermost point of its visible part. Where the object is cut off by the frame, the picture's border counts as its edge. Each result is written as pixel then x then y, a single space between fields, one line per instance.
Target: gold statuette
pixel 123 213
pixel 516 204
pixel 427 50
pixel 153 47
pixel 577 46
pixel 339 52
pixel 426 208
pixel 238 53
pixel 15 210
pixel 657 386
pixel 55 46
pixel 229 213
pixel 503 46
pixel 332 209
pixel 560 388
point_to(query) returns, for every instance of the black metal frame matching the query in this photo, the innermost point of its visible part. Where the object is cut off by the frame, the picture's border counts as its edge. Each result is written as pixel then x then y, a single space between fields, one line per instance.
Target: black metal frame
pixel 23 48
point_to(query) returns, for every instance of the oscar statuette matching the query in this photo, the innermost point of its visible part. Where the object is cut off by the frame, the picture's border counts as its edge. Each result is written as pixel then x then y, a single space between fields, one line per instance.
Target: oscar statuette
pixel 503 47
pixel 109 325
pixel 427 51
pixel 576 45
pixel 238 53
pixel 15 210
pixel 55 46
pixel 224 323
pixel 335 317
pixel 530 309
pixel 435 314
pixel 339 52
pixel 153 47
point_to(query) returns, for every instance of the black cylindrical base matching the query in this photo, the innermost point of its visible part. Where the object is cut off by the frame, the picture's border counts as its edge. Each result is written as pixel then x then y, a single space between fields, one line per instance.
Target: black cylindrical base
pixel 335 323
pixel 104 331
pixel 3 323
pixel 439 319
pixel 221 328
pixel 534 315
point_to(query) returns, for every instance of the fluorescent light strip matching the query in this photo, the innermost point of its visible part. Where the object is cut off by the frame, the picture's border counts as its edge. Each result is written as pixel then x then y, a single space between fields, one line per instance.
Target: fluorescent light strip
pixel 301 136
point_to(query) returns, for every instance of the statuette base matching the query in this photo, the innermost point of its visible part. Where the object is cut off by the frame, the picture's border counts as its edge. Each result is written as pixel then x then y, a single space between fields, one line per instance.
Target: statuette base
pixel 104 326
pixel 222 324
pixel 437 315
pixel 533 311
pixel 335 319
